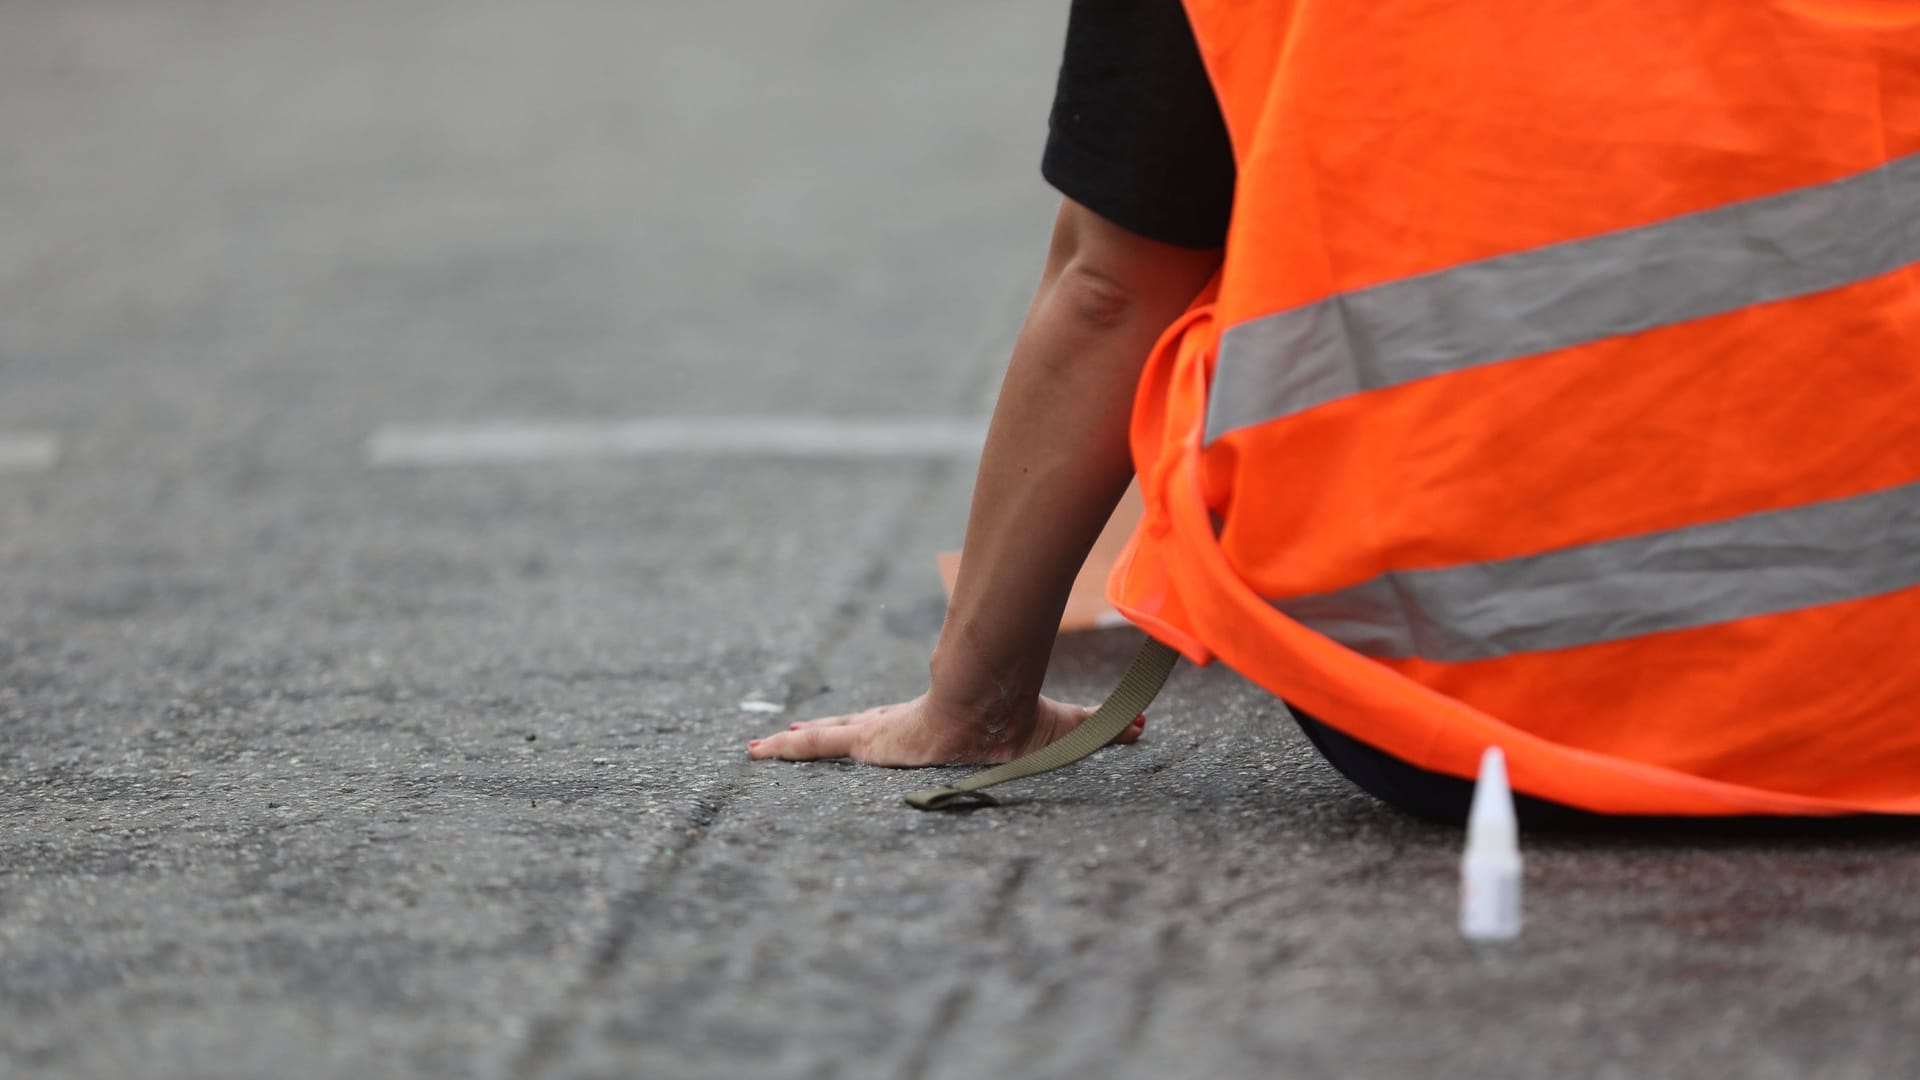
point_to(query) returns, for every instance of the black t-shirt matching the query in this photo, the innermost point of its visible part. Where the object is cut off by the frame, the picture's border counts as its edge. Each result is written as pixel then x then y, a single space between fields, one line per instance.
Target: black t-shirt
pixel 1136 134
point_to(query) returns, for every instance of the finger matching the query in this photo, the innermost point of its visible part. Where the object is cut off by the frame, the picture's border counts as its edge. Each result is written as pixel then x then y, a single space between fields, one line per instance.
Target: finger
pixel 825 721
pixel 1131 732
pixel 811 744
pixel 1066 718
pixel 878 712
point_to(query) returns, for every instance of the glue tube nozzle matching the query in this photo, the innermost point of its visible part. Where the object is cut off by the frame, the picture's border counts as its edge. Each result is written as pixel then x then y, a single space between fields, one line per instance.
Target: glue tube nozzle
pixel 1491 825
pixel 1490 869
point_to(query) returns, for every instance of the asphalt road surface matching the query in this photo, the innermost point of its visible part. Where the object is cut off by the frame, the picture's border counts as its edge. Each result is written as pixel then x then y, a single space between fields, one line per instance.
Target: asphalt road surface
pixel 322 761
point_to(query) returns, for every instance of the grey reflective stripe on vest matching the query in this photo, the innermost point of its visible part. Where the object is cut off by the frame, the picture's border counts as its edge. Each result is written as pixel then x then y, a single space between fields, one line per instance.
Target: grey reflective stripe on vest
pixel 1692 267
pixel 1759 564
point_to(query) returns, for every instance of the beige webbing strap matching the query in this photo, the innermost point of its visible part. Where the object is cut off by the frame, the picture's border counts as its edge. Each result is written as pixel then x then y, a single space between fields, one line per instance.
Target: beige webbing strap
pixel 1135 692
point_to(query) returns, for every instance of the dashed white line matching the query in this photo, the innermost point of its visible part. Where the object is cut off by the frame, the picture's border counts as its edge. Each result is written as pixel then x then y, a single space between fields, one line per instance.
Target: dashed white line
pixel 28 452
pixel 419 446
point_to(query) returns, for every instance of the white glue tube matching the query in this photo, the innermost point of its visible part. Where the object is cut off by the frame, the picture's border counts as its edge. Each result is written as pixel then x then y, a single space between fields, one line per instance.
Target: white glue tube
pixel 1490 870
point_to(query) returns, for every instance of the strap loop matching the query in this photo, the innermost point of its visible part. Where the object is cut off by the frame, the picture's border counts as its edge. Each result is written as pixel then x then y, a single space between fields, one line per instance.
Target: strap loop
pixel 946 798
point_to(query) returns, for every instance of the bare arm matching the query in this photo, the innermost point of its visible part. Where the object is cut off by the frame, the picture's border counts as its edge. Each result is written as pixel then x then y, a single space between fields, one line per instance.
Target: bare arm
pixel 1055 464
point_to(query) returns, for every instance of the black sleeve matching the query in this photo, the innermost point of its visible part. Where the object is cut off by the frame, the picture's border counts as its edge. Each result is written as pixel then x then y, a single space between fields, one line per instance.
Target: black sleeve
pixel 1136 134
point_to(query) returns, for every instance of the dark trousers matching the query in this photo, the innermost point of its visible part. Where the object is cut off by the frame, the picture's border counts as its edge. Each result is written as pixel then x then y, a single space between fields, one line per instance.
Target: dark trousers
pixel 1445 799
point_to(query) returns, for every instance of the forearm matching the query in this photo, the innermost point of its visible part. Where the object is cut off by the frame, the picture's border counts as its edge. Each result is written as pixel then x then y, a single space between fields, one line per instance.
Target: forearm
pixel 1056 458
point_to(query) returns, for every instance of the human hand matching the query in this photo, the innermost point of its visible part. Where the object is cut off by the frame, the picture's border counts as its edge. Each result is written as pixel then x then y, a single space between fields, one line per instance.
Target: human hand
pixel 926 732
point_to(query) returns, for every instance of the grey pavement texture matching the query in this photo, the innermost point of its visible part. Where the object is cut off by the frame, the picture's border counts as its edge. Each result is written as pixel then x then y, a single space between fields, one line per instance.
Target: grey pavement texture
pixel 309 769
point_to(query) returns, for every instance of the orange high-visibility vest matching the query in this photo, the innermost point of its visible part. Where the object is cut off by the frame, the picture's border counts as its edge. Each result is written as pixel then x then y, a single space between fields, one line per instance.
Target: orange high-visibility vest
pixel 1560 391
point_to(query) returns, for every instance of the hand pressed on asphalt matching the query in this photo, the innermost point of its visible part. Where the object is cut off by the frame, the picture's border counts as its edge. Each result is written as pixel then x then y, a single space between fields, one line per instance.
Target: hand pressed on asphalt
pixel 921 732
pixel 1055 463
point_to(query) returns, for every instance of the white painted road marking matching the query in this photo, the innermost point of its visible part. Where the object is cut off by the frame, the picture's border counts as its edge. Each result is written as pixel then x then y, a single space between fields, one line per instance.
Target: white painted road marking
pixel 525 443
pixel 28 452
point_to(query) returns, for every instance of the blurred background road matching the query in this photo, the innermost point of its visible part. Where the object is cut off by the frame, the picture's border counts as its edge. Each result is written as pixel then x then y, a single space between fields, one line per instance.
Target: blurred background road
pixel 324 755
